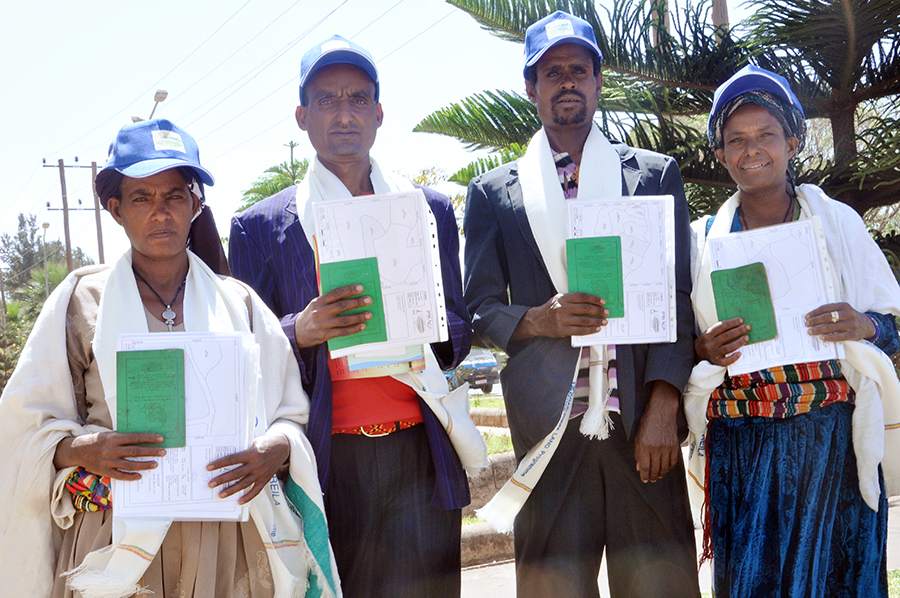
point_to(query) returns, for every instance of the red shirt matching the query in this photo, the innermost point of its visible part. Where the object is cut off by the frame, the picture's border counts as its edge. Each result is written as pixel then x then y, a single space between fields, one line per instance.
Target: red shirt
pixel 367 401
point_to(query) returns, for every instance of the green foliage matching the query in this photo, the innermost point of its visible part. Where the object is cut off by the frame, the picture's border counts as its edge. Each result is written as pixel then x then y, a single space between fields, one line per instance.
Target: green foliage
pixel 12 339
pixel 894 583
pixel 842 59
pixel 275 179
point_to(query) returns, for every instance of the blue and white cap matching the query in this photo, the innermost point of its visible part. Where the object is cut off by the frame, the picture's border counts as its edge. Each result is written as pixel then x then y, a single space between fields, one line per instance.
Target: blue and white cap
pixel 336 50
pixel 149 147
pixel 558 28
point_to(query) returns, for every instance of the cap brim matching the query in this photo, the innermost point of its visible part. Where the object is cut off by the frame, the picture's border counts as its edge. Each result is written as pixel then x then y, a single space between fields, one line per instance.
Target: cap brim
pixel 567 39
pixel 342 56
pixel 147 168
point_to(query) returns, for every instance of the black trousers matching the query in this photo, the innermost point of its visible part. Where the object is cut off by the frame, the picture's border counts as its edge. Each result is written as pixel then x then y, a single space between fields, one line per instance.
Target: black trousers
pixel 590 498
pixel 388 540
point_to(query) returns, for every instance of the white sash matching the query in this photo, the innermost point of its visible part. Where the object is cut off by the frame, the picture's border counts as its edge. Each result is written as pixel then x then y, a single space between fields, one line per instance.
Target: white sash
pixel 600 175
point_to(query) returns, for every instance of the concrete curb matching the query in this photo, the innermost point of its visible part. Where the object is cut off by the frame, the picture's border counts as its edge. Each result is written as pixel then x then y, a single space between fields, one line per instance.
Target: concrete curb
pixel 481 544
pixel 491 417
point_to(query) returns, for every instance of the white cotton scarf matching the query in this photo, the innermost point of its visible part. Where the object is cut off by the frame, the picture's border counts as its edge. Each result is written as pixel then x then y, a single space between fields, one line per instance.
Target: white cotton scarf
pixel 451 408
pixel 600 176
pixel 210 306
pixel 863 279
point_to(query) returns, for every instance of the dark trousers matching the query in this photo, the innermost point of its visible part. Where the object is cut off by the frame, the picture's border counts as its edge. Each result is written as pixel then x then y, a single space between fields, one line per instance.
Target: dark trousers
pixel 590 498
pixel 388 541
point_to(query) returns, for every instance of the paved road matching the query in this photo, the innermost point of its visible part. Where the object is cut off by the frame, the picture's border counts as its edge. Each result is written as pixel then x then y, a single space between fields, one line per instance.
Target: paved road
pixel 498 581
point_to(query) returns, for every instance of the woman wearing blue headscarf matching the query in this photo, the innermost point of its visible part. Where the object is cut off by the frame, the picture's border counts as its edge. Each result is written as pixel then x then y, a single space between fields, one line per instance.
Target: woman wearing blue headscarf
pixel 794 479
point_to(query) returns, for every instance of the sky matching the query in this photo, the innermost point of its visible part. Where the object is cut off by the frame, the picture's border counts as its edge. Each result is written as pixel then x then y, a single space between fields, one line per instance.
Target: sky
pixel 74 73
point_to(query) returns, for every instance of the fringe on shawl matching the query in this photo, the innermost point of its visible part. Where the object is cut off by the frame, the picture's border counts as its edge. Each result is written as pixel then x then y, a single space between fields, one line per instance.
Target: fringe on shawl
pixel 596 423
pixel 706 516
pixel 96 584
pixel 497 513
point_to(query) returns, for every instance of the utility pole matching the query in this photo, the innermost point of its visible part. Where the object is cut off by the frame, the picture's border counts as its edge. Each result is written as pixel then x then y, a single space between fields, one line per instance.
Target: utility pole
pixel 65 201
pixel 65 209
pixel 2 300
pixel 97 209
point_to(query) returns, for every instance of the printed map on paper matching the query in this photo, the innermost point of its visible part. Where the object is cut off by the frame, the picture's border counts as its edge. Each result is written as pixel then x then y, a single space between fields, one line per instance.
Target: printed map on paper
pixel 646 227
pixel 399 230
pixel 217 424
pixel 793 255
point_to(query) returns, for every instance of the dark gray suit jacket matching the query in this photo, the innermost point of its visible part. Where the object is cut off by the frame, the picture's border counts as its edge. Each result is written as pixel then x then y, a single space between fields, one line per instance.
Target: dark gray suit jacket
pixel 505 276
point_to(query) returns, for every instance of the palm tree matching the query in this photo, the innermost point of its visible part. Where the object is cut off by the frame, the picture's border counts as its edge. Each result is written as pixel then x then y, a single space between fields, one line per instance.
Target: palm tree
pixel 275 179
pixel 842 58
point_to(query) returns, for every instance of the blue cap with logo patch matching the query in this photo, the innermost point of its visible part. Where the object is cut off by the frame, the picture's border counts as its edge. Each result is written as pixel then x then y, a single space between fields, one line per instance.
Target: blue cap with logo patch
pixel 336 50
pixel 149 147
pixel 558 28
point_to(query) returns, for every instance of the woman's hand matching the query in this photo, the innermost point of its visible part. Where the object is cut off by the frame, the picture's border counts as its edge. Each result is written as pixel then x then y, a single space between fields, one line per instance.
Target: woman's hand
pixel 839 322
pixel 719 345
pixel 109 453
pixel 252 468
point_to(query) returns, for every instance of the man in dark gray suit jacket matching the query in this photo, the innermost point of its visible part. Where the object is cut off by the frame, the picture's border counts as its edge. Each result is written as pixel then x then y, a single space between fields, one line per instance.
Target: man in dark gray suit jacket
pixel 626 494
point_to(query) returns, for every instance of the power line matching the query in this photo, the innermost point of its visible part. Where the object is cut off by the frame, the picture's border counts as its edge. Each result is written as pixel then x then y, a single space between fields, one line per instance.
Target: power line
pixel 376 18
pixel 143 93
pixel 416 36
pixel 272 22
pixel 291 45
pixel 266 130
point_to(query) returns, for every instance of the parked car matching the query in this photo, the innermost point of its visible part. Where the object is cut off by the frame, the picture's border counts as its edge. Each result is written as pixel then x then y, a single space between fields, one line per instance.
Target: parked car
pixel 480 369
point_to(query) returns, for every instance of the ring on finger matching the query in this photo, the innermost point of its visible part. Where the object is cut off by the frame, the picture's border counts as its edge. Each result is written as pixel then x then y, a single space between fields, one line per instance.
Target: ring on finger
pixel 835 316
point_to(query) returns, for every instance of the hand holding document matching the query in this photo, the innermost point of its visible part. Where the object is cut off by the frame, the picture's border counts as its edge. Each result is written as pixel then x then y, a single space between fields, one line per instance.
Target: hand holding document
pixel 623 249
pixel 387 243
pixel 793 255
pixel 216 394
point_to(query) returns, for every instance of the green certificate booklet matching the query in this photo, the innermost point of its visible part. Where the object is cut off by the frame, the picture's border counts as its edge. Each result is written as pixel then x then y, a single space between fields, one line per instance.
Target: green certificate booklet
pixel 150 388
pixel 594 266
pixel 744 293
pixel 365 272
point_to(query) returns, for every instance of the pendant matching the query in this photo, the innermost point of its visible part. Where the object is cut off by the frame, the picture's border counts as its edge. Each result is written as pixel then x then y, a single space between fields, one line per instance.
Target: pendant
pixel 169 316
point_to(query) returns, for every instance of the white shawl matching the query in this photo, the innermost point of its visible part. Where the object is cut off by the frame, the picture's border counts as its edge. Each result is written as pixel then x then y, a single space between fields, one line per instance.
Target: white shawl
pixel 37 410
pixel 545 206
pixel 451 408
pixel 863 279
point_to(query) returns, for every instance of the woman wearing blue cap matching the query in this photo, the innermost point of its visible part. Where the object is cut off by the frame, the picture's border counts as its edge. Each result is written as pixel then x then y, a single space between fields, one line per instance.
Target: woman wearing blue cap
pixel 794 479
pixel 58 442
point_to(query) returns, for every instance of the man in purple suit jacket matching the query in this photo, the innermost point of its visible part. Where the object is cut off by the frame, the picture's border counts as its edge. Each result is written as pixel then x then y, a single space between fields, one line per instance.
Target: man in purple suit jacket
pixel 393 497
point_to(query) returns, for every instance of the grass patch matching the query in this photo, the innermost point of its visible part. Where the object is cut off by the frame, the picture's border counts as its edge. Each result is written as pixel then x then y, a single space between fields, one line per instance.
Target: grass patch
pixel 483 400
pixel 497 444
pixel 472 519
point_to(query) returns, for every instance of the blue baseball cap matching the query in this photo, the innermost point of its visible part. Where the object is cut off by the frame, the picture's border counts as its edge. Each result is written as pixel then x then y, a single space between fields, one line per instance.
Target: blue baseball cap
pixel 149 147
pixel 336 50
pixel 558 28
pixel 754 78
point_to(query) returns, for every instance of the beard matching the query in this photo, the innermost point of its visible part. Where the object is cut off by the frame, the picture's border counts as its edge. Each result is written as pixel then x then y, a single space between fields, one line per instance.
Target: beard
pixel 562 116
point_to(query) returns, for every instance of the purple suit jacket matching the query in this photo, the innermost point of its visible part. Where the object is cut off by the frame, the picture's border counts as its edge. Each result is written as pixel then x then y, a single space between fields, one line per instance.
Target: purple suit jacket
pixel 268 250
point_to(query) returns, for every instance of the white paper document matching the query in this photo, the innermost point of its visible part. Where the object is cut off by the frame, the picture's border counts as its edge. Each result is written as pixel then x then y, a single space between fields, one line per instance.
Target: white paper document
pixel 400 231
pixel 220 379
pixel 796 259
pixel 646 225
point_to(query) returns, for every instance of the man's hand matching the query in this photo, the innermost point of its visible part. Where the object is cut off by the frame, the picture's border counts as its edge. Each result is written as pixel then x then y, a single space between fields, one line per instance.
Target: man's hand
pixel 656 442
pixel 572 314
pixel 254 467
pixel 109 453
pixel 324 318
